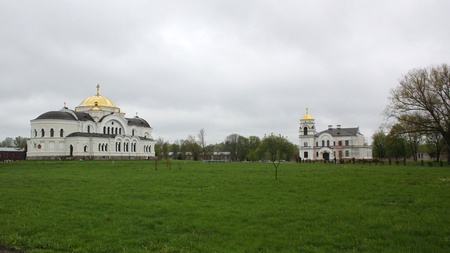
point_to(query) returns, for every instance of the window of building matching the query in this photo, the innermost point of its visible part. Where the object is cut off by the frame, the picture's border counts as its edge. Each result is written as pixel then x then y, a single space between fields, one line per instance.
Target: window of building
pixel 317 143
pixel 305 155
pixel 85 148
pixel 339 143
pixel 340 153
pixel 61 132
pixel 323 143
pixel 328 143
pixel 305 144
pixel 88 129
pixel 347 143
pixel 52 132
pixel 347 153
pixel 42 132
pixel 305 131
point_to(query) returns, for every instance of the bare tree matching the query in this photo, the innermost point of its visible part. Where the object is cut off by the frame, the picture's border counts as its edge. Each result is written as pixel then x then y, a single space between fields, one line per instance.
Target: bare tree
pixel 202 141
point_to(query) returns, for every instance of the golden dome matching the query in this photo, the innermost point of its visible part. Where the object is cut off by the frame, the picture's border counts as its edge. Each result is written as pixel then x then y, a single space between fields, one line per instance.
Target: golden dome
pixel 97 100
pixel 307 115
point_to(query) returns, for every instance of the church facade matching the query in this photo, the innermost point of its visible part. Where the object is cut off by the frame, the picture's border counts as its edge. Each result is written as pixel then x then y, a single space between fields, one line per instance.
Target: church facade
pixel 334 143
pixel 95 129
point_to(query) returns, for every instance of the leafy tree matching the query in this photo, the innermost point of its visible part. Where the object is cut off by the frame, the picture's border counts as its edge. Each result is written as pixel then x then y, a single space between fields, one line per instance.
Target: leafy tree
pixel 231 145
pixel 8 142
pixel 277 148
pixel 379 144
pixel 396 143
pixel 253 144
pixel 435 144
pixel 20 142
pixel 422 100
pixel 191 145
pixel 175 148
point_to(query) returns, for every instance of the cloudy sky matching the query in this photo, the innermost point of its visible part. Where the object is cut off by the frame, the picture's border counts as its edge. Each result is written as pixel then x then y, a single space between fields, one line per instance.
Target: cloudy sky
pixel 247 67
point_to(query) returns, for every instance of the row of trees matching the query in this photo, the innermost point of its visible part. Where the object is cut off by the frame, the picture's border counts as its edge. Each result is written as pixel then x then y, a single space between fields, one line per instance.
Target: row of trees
pixel 271 147
pixel 18 142
pixel 419 116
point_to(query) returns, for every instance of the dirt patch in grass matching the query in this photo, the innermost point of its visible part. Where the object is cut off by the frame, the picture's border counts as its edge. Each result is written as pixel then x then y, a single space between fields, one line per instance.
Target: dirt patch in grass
pixel 6 249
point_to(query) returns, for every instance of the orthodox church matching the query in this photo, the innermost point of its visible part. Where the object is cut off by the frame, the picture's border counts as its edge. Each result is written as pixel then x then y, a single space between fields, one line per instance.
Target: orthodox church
pixel 334 143
pixel 95 129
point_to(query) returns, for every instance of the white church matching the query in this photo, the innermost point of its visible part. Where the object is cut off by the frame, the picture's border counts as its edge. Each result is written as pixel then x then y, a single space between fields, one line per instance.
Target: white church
pixel 95 129
pixel 334 143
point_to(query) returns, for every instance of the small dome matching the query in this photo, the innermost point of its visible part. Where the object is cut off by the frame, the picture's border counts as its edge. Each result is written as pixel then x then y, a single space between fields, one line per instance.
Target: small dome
pixel 136 121
pixel 57 115
pixel 97 100
pixel 307 115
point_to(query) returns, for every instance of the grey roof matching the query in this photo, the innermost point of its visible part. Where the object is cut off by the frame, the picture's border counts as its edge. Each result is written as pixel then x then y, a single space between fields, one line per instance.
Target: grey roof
pixel 82 116
pixel 57 115
pixel 5 149
pixel 353 131
pixel 66 114
pixel 136 121
pixel 80 134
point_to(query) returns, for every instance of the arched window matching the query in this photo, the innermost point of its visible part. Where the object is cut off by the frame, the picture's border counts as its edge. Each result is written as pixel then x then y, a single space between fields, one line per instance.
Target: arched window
pixel 108 130
pixel 61 132
pixel 104 130
pixel 323 143
pixel 42 132
pixel 52 132
pixel 305 131
pixel 120 130
pixel 85 148
pixel 328 143
pixel 132 132
pixel 106 147
pixel 88 129
pixel 35 133
pixel 99 147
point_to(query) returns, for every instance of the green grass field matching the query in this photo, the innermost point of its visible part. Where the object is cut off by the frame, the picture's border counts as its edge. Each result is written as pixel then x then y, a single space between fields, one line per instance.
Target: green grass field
pixel 128 206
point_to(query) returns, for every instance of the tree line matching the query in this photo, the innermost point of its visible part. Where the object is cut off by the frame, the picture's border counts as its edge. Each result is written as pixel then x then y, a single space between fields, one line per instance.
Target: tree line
pixel 18 142
pixel 253 148
pixel 417 116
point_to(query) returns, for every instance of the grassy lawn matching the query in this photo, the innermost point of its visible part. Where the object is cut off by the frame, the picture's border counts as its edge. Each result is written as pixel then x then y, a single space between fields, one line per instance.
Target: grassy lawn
pixel 128 206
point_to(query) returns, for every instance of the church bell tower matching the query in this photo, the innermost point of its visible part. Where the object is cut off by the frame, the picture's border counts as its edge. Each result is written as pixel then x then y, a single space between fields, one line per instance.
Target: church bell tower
pixel 307 130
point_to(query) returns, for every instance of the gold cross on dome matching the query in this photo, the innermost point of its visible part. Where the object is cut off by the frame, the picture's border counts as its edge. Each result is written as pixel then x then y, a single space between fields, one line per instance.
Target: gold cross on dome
pixel 98 89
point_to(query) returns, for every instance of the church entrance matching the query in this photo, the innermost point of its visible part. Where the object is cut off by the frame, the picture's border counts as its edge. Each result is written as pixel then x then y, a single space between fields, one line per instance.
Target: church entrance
pixel 326 156
pixel 71 150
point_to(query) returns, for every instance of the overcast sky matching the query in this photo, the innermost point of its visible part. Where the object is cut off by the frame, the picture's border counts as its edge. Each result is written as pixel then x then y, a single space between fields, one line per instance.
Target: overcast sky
pixel 246 67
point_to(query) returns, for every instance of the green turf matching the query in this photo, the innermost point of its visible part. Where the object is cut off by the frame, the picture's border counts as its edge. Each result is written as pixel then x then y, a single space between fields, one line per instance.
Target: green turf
pixel 128 206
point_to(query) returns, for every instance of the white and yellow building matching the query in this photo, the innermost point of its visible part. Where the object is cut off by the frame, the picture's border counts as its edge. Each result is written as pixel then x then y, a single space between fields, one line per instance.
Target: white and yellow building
pixel 95 129
pixel 334 143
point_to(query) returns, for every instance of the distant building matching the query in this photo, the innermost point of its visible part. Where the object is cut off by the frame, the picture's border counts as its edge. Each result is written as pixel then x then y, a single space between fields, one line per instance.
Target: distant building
pixel 11 154
pixel 95 129
pixel 332 143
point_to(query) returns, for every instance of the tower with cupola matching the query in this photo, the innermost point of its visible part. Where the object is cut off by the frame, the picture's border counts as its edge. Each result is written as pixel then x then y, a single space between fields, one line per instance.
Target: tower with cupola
pixel 307 130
